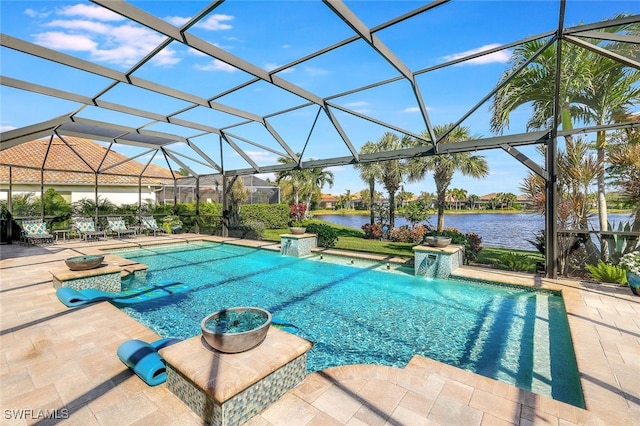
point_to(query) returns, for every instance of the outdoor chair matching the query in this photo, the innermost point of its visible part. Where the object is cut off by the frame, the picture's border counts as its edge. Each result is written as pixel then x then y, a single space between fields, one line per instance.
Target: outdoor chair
pixel 119 228
pixel 149 225
pixel 35 232
pixel 87 228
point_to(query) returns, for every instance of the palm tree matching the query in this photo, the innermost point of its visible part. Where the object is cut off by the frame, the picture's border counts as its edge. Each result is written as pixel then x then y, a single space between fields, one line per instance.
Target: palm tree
pixel 315 179
pixel 370 173
pixel 296 178
pixel 473 200
pixel 348 198
pixel 393 171
pixel 460 195
pixel 593 89
pixel 444 166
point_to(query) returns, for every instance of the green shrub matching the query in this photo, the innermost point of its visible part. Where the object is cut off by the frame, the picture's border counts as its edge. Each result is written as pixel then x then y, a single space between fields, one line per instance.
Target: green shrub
pixel 471 242
pixel 607 273
pixel 515 262
pixel 327 236
pixel 273 216
pixel 251 229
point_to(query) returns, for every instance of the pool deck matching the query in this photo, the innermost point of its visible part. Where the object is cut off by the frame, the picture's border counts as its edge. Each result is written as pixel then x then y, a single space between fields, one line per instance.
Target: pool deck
pixel 59 365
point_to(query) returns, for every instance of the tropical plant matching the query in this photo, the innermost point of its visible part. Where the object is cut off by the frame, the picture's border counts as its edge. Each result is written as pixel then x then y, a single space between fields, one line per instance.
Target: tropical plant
pixel 327 235
pixel 392 172
pixel 295 178
pixel 593 88
pixel 631 262
pixel 415 212
pixel 171 224
pixel 316 178
pixel 515 262
pixel 576 172
pixel 297 214
pixel 370 173
pixel 624 169
pixel 444 166
pixel 607 273
pixel 372 231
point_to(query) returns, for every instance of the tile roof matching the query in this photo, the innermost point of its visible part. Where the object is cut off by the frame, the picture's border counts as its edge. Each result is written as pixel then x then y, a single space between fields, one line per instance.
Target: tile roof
pixel 63 158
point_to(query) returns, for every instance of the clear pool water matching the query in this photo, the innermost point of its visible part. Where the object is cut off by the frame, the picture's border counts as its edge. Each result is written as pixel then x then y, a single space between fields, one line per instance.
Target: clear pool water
pixel 361 313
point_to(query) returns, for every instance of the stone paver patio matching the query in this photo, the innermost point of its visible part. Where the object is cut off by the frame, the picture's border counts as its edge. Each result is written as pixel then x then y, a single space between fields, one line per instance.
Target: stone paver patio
pixel 59 365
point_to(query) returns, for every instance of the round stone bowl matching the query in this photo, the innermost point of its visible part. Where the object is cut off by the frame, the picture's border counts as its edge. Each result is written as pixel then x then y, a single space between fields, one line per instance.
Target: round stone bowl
pixel 81 263
pixel 225 330
pixel 437 241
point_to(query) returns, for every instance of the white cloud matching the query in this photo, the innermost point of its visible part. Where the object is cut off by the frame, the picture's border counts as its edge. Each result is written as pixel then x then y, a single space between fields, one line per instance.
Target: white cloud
pixel 501 56
pixel 63 41
pixel 177 21
pixel 36 14
pixel 356 104
pixel 216 65
pixel 215 22
pixel 286 46
pixel 6 128
pixel 262 156
pixel 93 31
pixel 270 66
pixel 314 71
pixel 88 11
pixel 411 109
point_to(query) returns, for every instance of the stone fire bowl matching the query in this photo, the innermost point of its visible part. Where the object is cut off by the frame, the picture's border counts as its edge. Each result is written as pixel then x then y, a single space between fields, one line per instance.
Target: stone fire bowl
pixel 81 263
pixel 236 342
pixel 437 241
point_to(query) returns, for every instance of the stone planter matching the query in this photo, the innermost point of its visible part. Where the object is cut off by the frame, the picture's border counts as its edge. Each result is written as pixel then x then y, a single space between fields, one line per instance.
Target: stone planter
pixel 437 241
pixel 297 230
pixel 634 282
pixel 236 329
pixel 82 263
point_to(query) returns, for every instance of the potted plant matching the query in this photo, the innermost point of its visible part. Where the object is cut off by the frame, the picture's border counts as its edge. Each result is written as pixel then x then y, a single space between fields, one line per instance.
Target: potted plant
pixel 631 263
pixel 297 214
pixel 171 224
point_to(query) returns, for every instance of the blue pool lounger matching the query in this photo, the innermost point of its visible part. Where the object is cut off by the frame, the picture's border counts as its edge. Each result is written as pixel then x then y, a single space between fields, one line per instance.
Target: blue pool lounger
pixel 284 325
pixel 143 359
pixel 71 297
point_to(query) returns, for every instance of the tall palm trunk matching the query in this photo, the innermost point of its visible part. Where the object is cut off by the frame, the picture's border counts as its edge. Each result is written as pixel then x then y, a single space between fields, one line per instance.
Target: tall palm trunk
pixel 372 197
pixel 602 201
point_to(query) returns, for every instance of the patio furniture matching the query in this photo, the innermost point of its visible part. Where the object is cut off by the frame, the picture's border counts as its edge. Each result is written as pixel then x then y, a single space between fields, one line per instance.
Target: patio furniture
pixel 35 232
pixel 149 224
pixel 87 228
pixel 117 226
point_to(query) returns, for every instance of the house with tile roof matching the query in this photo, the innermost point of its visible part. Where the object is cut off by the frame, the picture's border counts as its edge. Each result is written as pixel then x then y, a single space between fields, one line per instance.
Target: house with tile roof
pixel 74 167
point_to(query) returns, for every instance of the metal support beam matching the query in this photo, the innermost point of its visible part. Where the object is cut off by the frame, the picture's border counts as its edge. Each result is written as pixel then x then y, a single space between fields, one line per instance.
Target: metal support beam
pixel 197 204
pixel 529 163
pixel 551 204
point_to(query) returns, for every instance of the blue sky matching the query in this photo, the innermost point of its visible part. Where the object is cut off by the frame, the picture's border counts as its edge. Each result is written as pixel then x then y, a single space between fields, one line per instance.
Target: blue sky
pixel 270 34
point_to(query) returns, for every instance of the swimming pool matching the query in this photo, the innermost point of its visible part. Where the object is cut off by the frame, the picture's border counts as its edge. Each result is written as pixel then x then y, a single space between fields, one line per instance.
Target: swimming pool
pixel 363 314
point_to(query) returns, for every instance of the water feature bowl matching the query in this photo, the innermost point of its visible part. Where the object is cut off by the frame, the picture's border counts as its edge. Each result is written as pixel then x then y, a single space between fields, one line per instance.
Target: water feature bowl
pixel 82 263
pixel 236 329
pixel 437 241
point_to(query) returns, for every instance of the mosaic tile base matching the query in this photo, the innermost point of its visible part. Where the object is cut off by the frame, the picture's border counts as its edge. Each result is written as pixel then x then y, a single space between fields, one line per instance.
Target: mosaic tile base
pixel 298 246
pixel 437 264
pixel 244 405
pixel 106 282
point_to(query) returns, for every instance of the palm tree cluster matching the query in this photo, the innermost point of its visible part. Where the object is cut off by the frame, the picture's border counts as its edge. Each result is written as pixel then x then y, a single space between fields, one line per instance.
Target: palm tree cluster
pixel 593 89
pixel 391 174
pixel 303 184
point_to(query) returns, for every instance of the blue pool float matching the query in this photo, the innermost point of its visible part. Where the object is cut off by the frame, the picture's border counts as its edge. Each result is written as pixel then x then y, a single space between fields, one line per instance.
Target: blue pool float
pixel 71 297
pixel 143 359
pixel 284 325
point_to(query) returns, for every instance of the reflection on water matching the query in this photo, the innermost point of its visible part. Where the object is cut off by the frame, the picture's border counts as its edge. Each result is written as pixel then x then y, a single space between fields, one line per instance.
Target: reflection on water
pixel 496 229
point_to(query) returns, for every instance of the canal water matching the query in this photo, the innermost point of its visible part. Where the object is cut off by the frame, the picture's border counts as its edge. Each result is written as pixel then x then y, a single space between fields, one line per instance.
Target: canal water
pixel 504 230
